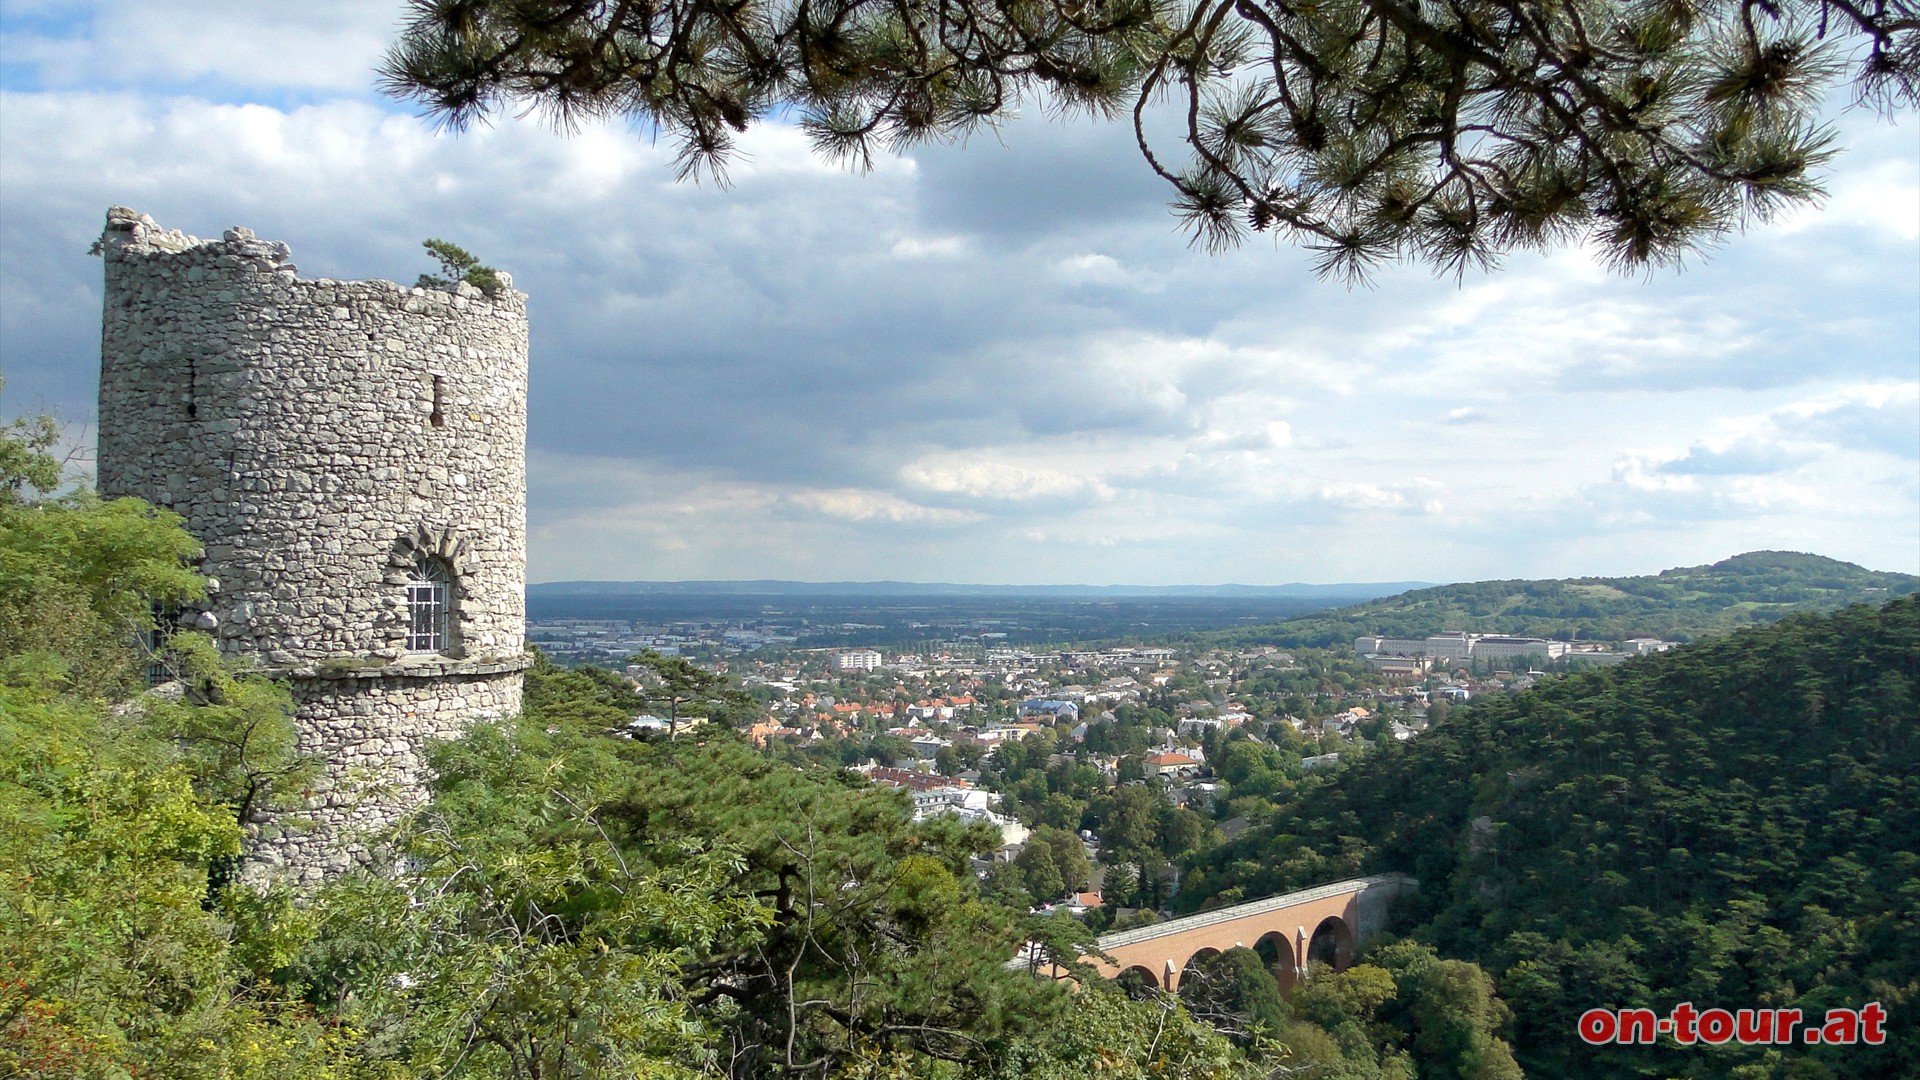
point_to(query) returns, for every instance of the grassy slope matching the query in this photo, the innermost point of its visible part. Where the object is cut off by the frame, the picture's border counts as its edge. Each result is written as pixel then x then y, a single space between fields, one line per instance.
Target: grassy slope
pixel 1679 604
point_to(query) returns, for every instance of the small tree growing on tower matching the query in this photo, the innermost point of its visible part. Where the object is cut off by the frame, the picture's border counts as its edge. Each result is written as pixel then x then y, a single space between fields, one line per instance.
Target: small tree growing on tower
pixel 457 264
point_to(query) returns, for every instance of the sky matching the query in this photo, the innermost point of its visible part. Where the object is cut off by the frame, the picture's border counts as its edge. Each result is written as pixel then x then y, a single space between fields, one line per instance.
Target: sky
pixel 997 362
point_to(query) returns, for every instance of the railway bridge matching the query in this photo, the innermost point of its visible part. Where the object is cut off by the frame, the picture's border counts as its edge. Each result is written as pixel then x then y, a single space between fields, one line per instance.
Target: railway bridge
pixel 1295 933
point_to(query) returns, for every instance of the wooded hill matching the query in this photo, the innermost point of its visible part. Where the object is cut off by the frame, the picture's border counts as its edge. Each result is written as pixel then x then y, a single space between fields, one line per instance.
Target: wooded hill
pixel 1735 824
pixel 1679 604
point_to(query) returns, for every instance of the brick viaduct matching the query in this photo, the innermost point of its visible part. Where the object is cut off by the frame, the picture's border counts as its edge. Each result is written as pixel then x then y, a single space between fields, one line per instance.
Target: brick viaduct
pixel 1292 932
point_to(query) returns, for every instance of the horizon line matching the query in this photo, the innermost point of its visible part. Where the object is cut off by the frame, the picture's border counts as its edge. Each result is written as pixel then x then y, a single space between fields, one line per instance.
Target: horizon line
pixel 974 584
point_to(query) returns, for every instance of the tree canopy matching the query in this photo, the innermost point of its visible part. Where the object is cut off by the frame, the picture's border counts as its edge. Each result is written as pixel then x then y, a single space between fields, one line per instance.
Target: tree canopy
pixel 1369 130
pixel 1732 821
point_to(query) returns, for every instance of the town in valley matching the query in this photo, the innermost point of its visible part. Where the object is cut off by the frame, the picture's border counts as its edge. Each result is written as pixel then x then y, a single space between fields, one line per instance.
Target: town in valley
pixel 976 715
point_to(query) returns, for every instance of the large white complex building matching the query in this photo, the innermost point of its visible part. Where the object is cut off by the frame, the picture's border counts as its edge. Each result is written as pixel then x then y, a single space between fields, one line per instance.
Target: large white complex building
pixel 858 660
pixel 1494 647
pixel 1413 656
pixel 1462 646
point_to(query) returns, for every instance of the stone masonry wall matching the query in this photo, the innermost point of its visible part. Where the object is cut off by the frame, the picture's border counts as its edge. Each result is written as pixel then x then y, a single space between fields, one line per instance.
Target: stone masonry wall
pixel 316 436
pixel 294 424
pixel 374 732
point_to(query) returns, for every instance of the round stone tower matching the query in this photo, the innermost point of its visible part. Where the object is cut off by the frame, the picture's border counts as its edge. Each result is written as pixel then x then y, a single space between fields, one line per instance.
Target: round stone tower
pixel 352 455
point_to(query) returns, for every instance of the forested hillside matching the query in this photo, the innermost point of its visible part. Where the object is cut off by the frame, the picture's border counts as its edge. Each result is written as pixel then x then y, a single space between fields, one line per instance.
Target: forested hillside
pixel 1679 605
pixel 1735 824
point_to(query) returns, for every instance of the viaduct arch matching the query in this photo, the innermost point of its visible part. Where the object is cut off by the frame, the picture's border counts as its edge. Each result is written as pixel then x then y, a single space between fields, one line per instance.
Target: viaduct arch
pixel 1297 933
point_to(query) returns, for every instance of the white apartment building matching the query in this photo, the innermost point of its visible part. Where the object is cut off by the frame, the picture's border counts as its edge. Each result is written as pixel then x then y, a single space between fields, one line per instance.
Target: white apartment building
pixel 857 660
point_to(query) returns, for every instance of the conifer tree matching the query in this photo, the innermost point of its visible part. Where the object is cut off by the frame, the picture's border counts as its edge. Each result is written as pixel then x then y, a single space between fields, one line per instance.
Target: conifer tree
pixel 1369 130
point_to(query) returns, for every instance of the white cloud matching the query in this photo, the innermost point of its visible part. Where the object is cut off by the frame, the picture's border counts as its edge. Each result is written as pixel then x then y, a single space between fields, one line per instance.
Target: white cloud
pixel 1879 200
pixel 1103 271
pixel 926 247
pixel 1554 332
pixel 979 479
pixel 852 504
pixel 1049 536
pixel 997 362
pixel 1883 417
pixel 1733 457
pixel 1879 418
pixel 263 46
pixel 1251 434
pixel 1416 496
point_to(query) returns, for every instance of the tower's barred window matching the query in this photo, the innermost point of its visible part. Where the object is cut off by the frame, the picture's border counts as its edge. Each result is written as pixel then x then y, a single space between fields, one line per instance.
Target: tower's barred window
pixel 156 642
pixel 428 593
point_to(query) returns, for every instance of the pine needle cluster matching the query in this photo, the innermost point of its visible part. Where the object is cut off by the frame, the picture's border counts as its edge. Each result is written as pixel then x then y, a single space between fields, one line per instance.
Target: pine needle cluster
pixel 1448 132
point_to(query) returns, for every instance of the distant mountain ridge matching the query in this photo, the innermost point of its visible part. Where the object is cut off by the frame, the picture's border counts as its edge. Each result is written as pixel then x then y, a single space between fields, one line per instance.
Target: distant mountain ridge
pixel 1679 604
pixel 771 587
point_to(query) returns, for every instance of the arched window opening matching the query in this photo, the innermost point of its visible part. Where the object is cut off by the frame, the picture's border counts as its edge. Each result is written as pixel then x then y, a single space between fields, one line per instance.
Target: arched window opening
pixel 429 604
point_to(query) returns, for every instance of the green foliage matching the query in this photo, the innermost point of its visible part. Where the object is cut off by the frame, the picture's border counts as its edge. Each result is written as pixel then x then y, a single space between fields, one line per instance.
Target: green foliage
pixel 119 954
pixel 1731 822
pixel 27 468
pixel 1370 131
pixel 583 699
pixel 1680 604
pixel 1403 1011
pixel 458 265
pixel 1131 813
pixel 1106 1034
pixel 1061 945
pixel 588 899
pixel 853 886
pixel 1445 1013
pixel 687 691
pixel 236 737
pixel 1235 994
pixel 1005 883
pixel 79 579
pixel 1351 996
pixel 528 940
pixel 110 964
pixel 1052 864
pixel 1040 873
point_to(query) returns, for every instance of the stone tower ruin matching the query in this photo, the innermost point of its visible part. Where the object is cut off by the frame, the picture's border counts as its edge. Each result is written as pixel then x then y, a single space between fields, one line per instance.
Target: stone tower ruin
pixel 352 456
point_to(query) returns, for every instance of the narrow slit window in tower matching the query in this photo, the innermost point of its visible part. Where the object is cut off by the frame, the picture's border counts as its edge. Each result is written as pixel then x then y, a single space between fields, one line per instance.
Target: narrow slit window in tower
pixel 429 593
pixel 438 418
